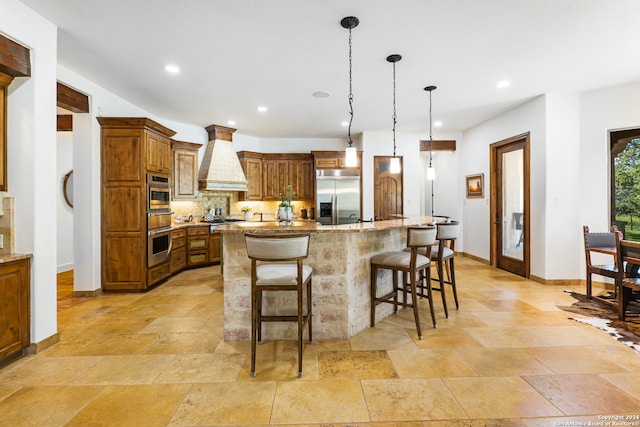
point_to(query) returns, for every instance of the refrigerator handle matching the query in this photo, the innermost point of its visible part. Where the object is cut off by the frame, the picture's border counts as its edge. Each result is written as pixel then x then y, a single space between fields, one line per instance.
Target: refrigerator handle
pixel 334 213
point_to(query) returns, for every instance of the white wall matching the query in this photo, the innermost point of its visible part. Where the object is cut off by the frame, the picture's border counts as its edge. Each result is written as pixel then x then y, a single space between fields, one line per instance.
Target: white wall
pixel 64 159
pixel 563 232
pixel 602 110
pixel 87 169
pixel 31 158
pixel 474 158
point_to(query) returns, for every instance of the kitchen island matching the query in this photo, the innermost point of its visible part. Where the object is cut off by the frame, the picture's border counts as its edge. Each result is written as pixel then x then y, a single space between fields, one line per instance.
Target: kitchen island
pixel 339 256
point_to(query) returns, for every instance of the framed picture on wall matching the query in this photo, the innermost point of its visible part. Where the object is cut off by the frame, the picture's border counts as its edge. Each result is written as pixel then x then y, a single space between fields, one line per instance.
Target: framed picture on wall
pixel 475 185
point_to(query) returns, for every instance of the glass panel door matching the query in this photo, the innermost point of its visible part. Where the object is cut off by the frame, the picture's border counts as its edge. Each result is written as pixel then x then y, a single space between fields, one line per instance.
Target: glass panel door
pixel 512 204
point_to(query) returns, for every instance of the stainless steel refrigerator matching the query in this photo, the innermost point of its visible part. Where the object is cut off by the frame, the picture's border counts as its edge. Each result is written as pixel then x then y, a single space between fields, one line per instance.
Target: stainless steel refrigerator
pixel 337 196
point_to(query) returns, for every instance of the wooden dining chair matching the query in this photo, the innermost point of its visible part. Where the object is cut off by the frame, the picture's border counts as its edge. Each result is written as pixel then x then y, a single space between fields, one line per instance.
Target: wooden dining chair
pixel 276 265
pixel 603 243
pixel 629 263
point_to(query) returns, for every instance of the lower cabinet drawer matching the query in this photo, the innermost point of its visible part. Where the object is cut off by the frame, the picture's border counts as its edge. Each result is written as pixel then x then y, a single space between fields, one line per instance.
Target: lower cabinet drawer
pixel 198 257
pixel 159 272
pixel 178 259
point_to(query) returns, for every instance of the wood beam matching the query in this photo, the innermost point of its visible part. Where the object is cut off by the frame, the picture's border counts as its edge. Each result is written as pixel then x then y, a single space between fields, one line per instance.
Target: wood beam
pixel 65 123
pixel 15 59
pixel 72 100
pixel 439 145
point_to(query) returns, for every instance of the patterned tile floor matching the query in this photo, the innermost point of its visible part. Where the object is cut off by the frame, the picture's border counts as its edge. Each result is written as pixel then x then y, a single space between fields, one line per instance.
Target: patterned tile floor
pixel 509 357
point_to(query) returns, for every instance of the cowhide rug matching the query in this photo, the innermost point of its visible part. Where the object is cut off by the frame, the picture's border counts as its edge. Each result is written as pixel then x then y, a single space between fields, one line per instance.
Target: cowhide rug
pixel 605 317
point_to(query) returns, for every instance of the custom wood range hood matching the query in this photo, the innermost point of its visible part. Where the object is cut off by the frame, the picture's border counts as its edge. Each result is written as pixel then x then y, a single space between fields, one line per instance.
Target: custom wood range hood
pixel 220 169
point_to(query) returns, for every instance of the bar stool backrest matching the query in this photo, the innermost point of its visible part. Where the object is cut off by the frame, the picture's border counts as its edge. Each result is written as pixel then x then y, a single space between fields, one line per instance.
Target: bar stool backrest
pixel 421 236
pixel 447 230
pixel 277 247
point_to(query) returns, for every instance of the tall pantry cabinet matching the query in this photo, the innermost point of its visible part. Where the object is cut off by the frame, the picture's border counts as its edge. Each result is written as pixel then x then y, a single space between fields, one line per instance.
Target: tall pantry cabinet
pixel 130 147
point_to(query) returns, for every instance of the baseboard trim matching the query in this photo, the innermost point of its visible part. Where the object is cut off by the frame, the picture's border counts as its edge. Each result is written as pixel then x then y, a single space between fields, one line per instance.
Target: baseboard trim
pixel 87 294
pixel 475 258
pixel 557 282
pixel 37 347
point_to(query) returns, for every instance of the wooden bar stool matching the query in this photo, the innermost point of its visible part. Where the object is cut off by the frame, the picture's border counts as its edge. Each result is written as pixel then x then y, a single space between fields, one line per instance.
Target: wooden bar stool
pixel 411 263
pixel 276 265
pixel 443 254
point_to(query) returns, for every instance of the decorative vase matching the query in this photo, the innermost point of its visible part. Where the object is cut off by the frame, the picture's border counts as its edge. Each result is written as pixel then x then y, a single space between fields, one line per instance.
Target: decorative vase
pixel 247 216
pixel 285 213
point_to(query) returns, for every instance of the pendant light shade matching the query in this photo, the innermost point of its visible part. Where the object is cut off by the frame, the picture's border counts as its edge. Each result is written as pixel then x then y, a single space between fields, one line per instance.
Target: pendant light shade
pixel 351 154
pixel 431 171
pixel 394 166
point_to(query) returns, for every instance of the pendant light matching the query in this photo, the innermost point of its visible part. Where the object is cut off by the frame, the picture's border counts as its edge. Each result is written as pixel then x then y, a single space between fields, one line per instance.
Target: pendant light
pixel 431 171
pixel 351 154
pixel 394 165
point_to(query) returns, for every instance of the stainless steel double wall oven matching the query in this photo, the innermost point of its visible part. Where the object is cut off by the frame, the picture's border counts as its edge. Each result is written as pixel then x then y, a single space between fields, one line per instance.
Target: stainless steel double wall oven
pixel 158 219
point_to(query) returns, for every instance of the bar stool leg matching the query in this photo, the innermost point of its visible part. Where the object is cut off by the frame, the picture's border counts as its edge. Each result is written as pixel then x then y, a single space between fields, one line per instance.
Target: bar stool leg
pixel 309 317
pixel 442 289
pixel 300 325
pixel 453 283
pixel 427 278
pixel 414 302
pixel 254 319
pixel 374 274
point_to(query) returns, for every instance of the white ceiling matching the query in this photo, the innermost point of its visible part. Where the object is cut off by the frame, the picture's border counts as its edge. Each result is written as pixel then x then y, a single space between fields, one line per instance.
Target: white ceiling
pixel 237 54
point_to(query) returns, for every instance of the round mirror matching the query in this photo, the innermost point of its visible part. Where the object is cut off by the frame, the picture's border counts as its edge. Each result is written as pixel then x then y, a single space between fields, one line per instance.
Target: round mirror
pixel 67 188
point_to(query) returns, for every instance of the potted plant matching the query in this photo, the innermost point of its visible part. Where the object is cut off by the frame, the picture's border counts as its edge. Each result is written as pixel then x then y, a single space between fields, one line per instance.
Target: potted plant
pixel 285 210
pixel 245 210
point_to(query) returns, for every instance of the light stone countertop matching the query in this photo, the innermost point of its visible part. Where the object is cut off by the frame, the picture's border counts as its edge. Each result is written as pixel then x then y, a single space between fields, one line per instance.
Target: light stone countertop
pixel 4 258
pixel 309 226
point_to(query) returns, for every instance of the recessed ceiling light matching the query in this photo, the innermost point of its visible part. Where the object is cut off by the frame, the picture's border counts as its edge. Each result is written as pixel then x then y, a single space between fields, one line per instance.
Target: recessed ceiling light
pixel 262 109
pixel 320 94
pixel 502 84
pixel 437 123
pixel 345 124
pixel 231 122
pixel 171 68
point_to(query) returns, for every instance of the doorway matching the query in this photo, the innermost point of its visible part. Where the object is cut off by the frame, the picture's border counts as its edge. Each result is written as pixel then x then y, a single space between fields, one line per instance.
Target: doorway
pixel 387 196
pixel 510 219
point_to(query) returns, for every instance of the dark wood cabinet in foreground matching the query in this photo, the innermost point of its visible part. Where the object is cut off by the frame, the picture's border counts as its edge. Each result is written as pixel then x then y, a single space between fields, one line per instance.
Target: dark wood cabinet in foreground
pixel 15 316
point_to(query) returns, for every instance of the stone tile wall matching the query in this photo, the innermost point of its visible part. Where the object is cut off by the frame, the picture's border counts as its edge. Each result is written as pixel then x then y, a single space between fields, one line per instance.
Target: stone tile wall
pixel 6 226
pixel 341 283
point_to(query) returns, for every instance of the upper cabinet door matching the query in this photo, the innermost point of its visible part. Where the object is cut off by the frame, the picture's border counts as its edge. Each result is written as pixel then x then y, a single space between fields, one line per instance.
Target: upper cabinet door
pixel 158 153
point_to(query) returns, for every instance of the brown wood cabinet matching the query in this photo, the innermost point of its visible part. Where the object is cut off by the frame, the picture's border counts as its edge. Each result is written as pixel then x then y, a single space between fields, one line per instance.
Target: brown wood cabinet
pixel 252 166
pixel 275 177
pixel 185 170
pixel 215 247
pixel 5 80
pixel 197 246
pixel 158 153
pixel 333 160
pixel 178 249
pixel 127 143
pixel 306 179
pixel 281 170
pixel 269 174
pixel 15 321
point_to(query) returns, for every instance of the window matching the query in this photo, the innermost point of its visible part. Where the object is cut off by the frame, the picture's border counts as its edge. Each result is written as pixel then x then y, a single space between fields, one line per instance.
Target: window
pixel 625 182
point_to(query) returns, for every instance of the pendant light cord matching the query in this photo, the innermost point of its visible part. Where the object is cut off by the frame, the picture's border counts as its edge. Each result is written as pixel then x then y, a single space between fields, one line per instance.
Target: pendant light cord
pixel 430 131
pixel 350 92
pixel 394 109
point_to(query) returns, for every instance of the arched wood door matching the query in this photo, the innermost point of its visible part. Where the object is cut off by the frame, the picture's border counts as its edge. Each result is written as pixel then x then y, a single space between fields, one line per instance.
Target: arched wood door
pixel 387 198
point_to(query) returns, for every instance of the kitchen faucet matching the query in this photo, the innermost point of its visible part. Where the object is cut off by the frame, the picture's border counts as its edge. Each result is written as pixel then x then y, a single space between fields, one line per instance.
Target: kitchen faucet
pixel 259 213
